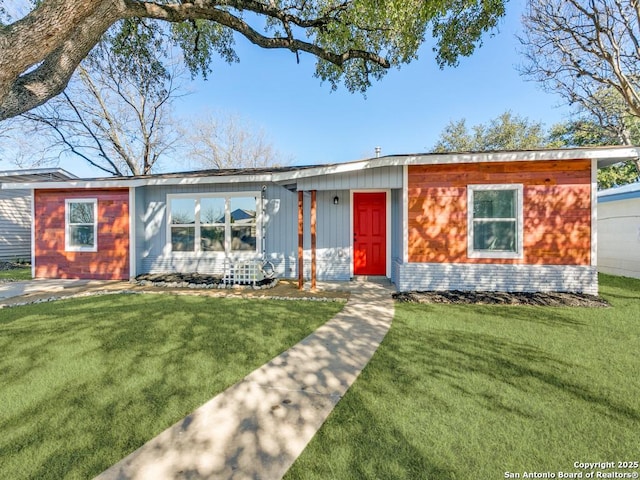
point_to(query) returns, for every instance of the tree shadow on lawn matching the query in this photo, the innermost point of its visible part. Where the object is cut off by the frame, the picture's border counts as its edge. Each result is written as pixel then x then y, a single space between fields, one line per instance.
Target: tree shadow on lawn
pixel 92 379
pixel 436 400
pixel 505 363
pixel 454 354
pixel 555 317
pixel 361 441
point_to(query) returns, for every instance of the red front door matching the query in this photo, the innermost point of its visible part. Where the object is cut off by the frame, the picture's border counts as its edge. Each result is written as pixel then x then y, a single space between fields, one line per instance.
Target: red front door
pixel 370 233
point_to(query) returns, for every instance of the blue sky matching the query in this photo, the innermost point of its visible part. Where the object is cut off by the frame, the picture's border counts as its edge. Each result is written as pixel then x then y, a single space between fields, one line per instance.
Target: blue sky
pixel 402 113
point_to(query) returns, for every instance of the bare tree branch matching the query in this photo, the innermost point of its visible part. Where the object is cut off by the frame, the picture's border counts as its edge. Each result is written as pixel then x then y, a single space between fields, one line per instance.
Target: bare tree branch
pixel 584 50
pixel 109 120
pixel 221 140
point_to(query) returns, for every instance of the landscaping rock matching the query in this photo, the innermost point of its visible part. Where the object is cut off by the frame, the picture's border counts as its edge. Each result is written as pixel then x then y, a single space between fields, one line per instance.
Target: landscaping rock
pixel 548 299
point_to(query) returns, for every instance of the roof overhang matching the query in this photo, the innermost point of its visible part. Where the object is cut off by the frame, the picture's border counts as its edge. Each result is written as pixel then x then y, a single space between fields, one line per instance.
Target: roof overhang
pixel 139 182
pixel 25 175
pixel 602 155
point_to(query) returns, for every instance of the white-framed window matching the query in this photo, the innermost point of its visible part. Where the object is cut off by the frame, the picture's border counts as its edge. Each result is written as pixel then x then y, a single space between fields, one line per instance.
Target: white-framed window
pixel 494 221
pixel 81 225
pixel 222 223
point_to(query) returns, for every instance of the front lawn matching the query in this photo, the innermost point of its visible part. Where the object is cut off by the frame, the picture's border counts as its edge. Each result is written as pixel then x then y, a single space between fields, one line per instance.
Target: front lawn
pixel 476 392
pixel 84 382
pixel 15 274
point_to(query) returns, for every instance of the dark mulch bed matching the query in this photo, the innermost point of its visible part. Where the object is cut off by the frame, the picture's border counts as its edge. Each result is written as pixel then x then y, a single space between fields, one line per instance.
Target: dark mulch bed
pixel 503 298
pixel 196 278
pixel 12 265
pixel 190 278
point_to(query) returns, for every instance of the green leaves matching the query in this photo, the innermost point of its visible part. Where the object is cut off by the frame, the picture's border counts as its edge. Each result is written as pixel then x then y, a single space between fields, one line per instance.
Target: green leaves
pixel 616 175
pixel 459 25
pixel 139 49
pixel 513 132
pixel 506 132
pixel 200 40
pixel 392 29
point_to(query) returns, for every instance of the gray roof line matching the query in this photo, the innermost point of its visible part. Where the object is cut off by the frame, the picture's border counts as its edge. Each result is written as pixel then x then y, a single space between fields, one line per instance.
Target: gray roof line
pixel 37 171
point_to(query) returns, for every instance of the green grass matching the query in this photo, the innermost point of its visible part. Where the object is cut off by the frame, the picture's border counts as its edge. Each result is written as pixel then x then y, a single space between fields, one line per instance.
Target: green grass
pixel 84 382
pixel 472 392
pixel 16 274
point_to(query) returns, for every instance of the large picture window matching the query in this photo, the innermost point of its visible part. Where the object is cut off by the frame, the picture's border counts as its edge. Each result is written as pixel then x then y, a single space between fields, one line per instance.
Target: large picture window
pixel 223 223
pixel 495 221
pixel 81 225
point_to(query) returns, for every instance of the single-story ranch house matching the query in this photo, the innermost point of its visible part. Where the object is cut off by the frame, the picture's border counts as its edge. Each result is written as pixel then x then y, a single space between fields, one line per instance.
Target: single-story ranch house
pixel 619 230
pixel 510 221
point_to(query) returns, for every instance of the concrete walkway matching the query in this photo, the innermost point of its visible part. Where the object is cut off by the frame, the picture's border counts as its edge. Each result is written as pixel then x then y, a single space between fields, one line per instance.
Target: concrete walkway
pixel 258 427
pixel 33 291
pixel 27 287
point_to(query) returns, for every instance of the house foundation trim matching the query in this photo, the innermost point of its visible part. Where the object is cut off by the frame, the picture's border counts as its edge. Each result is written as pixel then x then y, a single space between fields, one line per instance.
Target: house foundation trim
pixel 496 277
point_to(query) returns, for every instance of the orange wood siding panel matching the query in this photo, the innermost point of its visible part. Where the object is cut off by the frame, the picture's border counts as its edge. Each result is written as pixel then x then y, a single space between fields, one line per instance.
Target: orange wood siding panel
pixel 110 262
pixel 556 210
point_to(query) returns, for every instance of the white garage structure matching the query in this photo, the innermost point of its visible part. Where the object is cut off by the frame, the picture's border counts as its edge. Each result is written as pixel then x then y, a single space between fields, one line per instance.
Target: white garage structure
pixel 619 230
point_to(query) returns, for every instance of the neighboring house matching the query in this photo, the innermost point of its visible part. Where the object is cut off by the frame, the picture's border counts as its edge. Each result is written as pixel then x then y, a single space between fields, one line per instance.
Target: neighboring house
pixel 509 221
pixel 619 230
pixel 15 210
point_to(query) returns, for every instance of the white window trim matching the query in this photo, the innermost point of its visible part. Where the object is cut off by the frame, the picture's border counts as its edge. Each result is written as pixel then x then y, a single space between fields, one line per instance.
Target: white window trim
pixel 227 231
pixel 519 253
pixel 67 237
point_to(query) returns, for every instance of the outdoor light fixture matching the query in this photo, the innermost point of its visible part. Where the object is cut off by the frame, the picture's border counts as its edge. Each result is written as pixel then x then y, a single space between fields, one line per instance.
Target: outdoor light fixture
pixel 336 200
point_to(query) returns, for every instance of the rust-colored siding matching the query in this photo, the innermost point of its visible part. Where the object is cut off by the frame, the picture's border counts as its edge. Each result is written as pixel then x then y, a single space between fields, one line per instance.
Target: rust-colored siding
pixel 556 210
pixel 110 262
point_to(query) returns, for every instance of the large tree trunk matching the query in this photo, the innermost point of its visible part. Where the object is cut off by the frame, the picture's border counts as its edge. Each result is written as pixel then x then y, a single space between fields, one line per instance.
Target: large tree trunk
pixel 59 34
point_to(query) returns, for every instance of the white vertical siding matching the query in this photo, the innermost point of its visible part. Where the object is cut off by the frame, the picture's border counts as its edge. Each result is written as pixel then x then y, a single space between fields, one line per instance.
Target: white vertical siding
pixel 381 178
pixel 280 229
pixel 396 229
pixel 140 214
pixel 333 244
pixel 15 225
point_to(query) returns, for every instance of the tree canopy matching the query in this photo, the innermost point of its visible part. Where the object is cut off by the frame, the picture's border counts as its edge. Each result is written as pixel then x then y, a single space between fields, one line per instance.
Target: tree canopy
pixel 513 132
pixel 355 41
pixel 506 132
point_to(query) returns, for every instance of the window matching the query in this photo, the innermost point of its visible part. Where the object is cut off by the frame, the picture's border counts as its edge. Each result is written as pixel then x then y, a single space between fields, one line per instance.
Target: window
pixel 213 223
pixel 242 217
pixel 212 219
pixel 494 221
pixel 183 220
pixel 81 225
